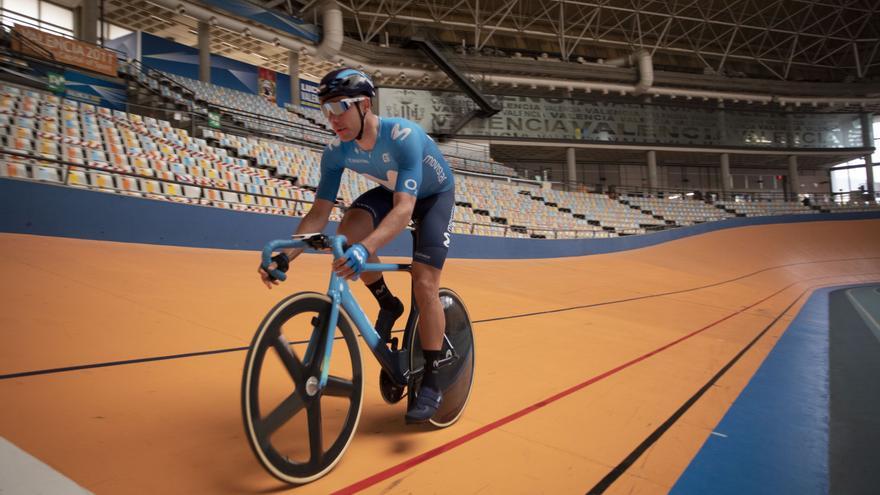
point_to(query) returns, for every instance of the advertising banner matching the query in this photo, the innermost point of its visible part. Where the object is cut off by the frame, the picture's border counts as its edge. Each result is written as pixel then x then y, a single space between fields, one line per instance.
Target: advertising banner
pixel 583 120
pixel 267 84
pixel 308 94
pixel 65 50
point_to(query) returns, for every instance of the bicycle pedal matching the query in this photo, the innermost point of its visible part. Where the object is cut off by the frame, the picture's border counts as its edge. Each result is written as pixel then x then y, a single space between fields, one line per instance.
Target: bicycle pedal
pixel 446 361
pixel 391 392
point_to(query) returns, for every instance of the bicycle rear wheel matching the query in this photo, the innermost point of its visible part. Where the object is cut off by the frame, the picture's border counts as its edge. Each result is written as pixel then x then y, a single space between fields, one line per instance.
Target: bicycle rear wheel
pixel 456 378
pixel 297 432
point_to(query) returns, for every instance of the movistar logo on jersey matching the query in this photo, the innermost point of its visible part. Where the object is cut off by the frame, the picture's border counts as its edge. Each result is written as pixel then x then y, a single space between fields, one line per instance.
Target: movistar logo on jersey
pixel 438 169
pixel 400 133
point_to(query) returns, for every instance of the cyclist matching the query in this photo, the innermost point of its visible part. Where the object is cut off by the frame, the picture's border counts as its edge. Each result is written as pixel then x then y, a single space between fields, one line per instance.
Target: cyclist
pixel 415 183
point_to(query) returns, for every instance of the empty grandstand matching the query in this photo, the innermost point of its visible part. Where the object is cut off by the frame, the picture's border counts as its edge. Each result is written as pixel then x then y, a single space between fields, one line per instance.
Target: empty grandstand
pixel 667 205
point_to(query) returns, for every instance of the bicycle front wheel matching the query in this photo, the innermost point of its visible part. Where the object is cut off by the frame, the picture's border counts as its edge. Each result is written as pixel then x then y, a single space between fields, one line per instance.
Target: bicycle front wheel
pixel 456 378
pixel 297 430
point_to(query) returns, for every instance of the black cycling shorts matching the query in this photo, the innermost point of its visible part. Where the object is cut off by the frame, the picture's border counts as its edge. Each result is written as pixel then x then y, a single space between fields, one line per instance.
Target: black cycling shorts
pixel 432 217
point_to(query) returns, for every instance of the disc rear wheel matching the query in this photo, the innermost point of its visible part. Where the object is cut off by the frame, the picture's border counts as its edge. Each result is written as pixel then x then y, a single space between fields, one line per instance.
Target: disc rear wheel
pixel 456 377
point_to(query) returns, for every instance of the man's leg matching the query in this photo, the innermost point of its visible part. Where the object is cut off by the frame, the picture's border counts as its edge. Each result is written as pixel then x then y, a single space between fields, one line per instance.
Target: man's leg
pixel 432 325
pixel 432 320
pixel 355 226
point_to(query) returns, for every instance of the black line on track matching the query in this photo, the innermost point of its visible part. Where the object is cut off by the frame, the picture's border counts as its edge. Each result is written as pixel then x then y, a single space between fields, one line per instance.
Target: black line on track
pixel 500 318
pixel 670 293
pixel 629 460
pixel 119 363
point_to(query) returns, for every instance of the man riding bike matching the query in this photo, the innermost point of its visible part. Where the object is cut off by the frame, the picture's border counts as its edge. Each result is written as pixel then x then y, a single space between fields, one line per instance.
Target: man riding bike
pixel 415 183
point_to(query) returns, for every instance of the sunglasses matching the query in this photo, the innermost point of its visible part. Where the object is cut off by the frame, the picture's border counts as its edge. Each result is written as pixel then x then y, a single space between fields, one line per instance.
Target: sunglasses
pixel 339 107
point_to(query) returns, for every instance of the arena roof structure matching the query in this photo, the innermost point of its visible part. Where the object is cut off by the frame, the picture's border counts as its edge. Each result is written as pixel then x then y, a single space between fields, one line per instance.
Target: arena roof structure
pixel 745 45
pixel 808 55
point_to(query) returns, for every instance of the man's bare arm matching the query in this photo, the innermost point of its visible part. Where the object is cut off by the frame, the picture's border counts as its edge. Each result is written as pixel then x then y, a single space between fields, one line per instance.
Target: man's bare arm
pixel 314 221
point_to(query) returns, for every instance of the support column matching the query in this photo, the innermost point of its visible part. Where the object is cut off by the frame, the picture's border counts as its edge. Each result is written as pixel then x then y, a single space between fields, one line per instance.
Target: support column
pixel 794 182
pixel 867 142
pixel 88 21
pixel 572 169
pixel 652 171
pixel 725 176
pixel 293 72
pixel 204 52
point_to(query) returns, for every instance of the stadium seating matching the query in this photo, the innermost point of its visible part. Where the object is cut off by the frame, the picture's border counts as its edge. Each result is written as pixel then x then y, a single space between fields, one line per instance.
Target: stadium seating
pixel 844 208
pixel 131 154
pixel 680 211
pixel 113 151
pixel 287 123
pixel 765 208
pixel 604 210
pixel 474 159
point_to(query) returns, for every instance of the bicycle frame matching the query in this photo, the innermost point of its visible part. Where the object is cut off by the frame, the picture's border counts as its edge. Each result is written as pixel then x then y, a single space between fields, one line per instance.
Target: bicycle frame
pixel 396 363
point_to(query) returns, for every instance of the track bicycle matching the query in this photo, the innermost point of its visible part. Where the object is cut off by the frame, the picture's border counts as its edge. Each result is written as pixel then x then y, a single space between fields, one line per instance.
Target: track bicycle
pixel 301 408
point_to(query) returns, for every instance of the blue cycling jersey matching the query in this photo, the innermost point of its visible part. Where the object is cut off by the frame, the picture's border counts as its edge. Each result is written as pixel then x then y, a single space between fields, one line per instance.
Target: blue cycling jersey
pixel 404 159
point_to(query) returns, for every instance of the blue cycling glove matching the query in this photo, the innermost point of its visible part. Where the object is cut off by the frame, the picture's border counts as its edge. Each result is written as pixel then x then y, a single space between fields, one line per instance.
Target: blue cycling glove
pixel 355 258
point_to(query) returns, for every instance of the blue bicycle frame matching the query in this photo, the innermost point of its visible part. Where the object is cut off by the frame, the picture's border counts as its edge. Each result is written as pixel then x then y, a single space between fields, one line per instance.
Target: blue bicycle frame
pixel 396 363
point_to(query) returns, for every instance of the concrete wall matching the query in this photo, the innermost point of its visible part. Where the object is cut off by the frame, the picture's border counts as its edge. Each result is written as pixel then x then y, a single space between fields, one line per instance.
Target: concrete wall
pixel 41 209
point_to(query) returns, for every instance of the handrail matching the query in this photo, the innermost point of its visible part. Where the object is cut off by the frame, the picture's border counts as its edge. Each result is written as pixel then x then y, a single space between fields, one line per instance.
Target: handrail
pixel 227 129
pixel 15 34
pixel 68 164
pixel 50 58
pixel 33 22
pixel 231 110
pixel 259 120
pixel 666 192
pixel 284 123
pixel 530 228
pixel 87 166
pixel 492 165
pixel 40 25
pixel 157 74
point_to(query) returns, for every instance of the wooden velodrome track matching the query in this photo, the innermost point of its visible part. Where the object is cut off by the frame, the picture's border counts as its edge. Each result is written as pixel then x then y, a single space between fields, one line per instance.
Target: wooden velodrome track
pixel 579 361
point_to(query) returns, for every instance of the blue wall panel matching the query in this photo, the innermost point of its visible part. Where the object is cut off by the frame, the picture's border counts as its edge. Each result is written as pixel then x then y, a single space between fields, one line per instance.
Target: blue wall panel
pixel 88 89
pixel 42 209
pixel 182 60
pixel 125 45
pixel 284 23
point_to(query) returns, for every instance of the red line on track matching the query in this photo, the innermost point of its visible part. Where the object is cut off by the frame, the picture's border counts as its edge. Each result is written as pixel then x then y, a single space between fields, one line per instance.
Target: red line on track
pixel 414 461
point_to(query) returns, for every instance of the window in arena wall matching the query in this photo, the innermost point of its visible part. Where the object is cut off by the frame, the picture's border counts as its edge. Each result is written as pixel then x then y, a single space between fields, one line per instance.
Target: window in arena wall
pixel 850 175
pixel 44 15
pixel 850 179
pixel 875 158
pixel 111 31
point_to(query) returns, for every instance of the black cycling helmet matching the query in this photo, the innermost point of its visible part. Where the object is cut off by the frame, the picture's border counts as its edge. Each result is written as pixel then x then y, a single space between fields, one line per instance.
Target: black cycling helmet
pixel 345 82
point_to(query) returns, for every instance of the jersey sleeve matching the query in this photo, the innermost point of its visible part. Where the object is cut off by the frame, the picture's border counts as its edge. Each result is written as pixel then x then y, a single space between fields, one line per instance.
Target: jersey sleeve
pixel 409 165
pixel 331 175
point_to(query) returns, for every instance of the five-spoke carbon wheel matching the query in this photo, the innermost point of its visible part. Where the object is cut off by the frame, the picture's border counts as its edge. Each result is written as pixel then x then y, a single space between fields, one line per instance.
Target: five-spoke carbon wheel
pixel 298 430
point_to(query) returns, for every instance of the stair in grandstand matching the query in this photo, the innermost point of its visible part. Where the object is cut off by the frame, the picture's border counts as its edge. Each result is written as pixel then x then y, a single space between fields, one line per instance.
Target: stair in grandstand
pixel 152 94
pixel 485 108
pixel 15 66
